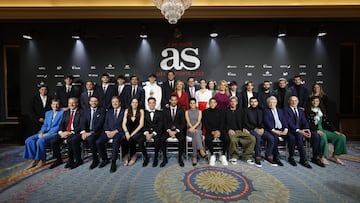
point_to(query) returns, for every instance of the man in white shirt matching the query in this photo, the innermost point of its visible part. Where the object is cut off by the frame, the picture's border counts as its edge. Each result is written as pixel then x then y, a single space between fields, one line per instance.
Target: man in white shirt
pixel 152 90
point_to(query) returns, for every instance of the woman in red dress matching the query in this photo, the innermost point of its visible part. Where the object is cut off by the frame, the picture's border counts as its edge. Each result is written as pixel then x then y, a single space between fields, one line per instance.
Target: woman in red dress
pixel 183 99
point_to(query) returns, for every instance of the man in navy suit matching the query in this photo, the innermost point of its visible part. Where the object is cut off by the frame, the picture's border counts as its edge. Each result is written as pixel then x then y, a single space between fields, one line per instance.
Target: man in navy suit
pixel 234 92
pixel 67 91
pixel 92 126
pixel 85 96
pixel 167 88
pixel 69 129
pixel 105 91
pixel 112 130
pixel 299 90
pixel 191 87
pixel 174 125
pixel 275 123
pixel 134 91
pixel 40 104
pixel 298 130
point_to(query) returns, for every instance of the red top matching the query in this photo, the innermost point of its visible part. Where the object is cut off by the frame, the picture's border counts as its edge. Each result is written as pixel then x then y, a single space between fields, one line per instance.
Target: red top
pixel 183 101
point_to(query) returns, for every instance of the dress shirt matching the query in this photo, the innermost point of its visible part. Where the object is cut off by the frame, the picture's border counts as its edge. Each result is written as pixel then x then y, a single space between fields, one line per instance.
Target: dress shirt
pixel 43 99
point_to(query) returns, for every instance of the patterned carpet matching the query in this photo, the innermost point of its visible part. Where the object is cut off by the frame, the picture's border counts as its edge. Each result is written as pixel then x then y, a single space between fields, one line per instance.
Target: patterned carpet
pixel 235 183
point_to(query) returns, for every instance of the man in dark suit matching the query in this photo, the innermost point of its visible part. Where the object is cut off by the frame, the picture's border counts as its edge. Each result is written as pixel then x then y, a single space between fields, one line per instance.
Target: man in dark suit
pixel 248 93
pixel 253 123
pixel 275 122
pixel 66 91
pixel 112 130
pixel 167 88
pixel 120 89
pixel 234 92
pixel 282 93
pixel 85 96
pixel 298 130
pixel 174 125
pixel 105 91
pixel 299 90
pixel 40 104
pixel 191 88
pixel 69 129
pixel 153 124
pixel 264 94
pixel 134 91
pixel 92 126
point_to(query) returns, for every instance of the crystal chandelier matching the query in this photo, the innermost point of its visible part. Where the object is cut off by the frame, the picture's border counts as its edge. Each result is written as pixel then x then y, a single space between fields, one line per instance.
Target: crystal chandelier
pixel 172 9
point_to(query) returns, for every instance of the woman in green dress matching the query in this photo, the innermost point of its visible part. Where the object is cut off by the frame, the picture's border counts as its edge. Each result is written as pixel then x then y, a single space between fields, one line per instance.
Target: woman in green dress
pixel 320 124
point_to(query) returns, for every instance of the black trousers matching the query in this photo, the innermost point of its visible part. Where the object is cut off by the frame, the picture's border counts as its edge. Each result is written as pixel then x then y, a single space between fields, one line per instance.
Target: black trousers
pixel 181 145
pixel 225 139
pixel 157 144
pixel 101 146
pixel 73 145
pixel 130 145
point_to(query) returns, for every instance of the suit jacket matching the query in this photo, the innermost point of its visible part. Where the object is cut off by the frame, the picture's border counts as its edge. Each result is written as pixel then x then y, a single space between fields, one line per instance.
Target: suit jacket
pixel 296 123
pixel 245 99
pixel 156 125
pixel 98 120
pixel 121 95
pixel 76 121
pixel 178 122
pixel 302 95
pixel 269 120
pixel 112 124
pixel 140 95
pixel 63 96
pixel 253 118
pixel 105 97
pixel 84 99
pixel 51 126
pixel 262 97
pixel 283 101
pixel 166 92
pixel 187 90
pixel 37 108
pixel 233 119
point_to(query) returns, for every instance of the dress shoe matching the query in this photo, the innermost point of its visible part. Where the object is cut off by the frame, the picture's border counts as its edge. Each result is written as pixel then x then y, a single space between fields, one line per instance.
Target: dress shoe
pixel 278 162
pixel 113 167
pixel 69 164
pixel 305 163
pixel 270 161
pixel 146 162
pixel 292 161
pixel 318 162
pixel 163 163
pixel 76 164
pixel 104 163
pixel 181 162
pixel 55 164
pixel 94 164
pixel 155 163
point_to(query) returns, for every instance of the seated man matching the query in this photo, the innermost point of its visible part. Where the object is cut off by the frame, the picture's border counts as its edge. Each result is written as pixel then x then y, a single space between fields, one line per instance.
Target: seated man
pixel 253 123
pixel 213 120
pixel 70 130
pixel 174 124
pixel 92 126
pixel 153 123
pixel 112 130
pixel 276 124
pixel 298 129
pixel 234 128
pixel 35 145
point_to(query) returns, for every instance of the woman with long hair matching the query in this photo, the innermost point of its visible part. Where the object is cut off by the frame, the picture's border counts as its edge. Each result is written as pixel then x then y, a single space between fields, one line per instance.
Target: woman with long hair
pixel 317 90
pixel 202 96
pixel 183 99
pixel 222 96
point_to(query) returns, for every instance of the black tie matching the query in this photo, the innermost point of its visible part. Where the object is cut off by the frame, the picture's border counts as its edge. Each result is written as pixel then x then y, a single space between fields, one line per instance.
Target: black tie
pixel 173 114
pixel 133 92
pixel 115 114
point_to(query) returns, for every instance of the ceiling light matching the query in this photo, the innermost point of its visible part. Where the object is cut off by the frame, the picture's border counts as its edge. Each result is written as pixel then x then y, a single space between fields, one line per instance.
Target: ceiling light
pixel 27 36
pixel 172 9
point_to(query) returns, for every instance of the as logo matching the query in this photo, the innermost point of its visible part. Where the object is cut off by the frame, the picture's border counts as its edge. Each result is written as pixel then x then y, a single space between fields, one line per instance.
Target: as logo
pixel 187 59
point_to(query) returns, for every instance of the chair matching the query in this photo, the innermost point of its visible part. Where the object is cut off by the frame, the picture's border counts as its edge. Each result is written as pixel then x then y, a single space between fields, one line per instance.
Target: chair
pixel 172 145
pixel 188 147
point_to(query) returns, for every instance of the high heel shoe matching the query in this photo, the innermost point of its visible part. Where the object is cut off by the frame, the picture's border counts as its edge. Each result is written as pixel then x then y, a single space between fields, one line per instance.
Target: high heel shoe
pixel 194 161
pixel 203 154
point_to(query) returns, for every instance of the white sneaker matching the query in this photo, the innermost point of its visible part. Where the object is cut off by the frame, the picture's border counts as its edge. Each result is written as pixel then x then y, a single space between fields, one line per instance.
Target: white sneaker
pixel 251 162
pixel 212 160
pixel 233 161
pixel 223 160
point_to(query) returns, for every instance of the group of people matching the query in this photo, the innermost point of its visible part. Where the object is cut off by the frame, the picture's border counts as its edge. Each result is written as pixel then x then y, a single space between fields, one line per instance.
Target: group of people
pixel 132 115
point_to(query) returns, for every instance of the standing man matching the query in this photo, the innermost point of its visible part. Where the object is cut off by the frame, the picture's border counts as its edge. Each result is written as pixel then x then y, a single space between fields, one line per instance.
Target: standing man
pixel 191 87
pixel 213 120
pixel 233 91
pixel 264 94
pixel 69 129
pixel 152 90
pixel 40 104
pixel 120 89
pixel 112 130
pixel 168 88
pixel 234 128
pixel 89 92
pixel 275 121
pixel 92 126
pixel 282 93
pixel 248 93
pixel 174 125
pixel 134 91
pixel 63 93
pixel 106 91
pixel 153 125
pixel 299 90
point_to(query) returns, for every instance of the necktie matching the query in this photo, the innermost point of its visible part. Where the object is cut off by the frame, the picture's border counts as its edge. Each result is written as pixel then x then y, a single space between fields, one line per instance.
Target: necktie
pixel 68 128
pixel 133 92
pixel 92 119
pixel 192 92
pixel 171 85
pixel 296 116
pixel 115 114
pixel 173 113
